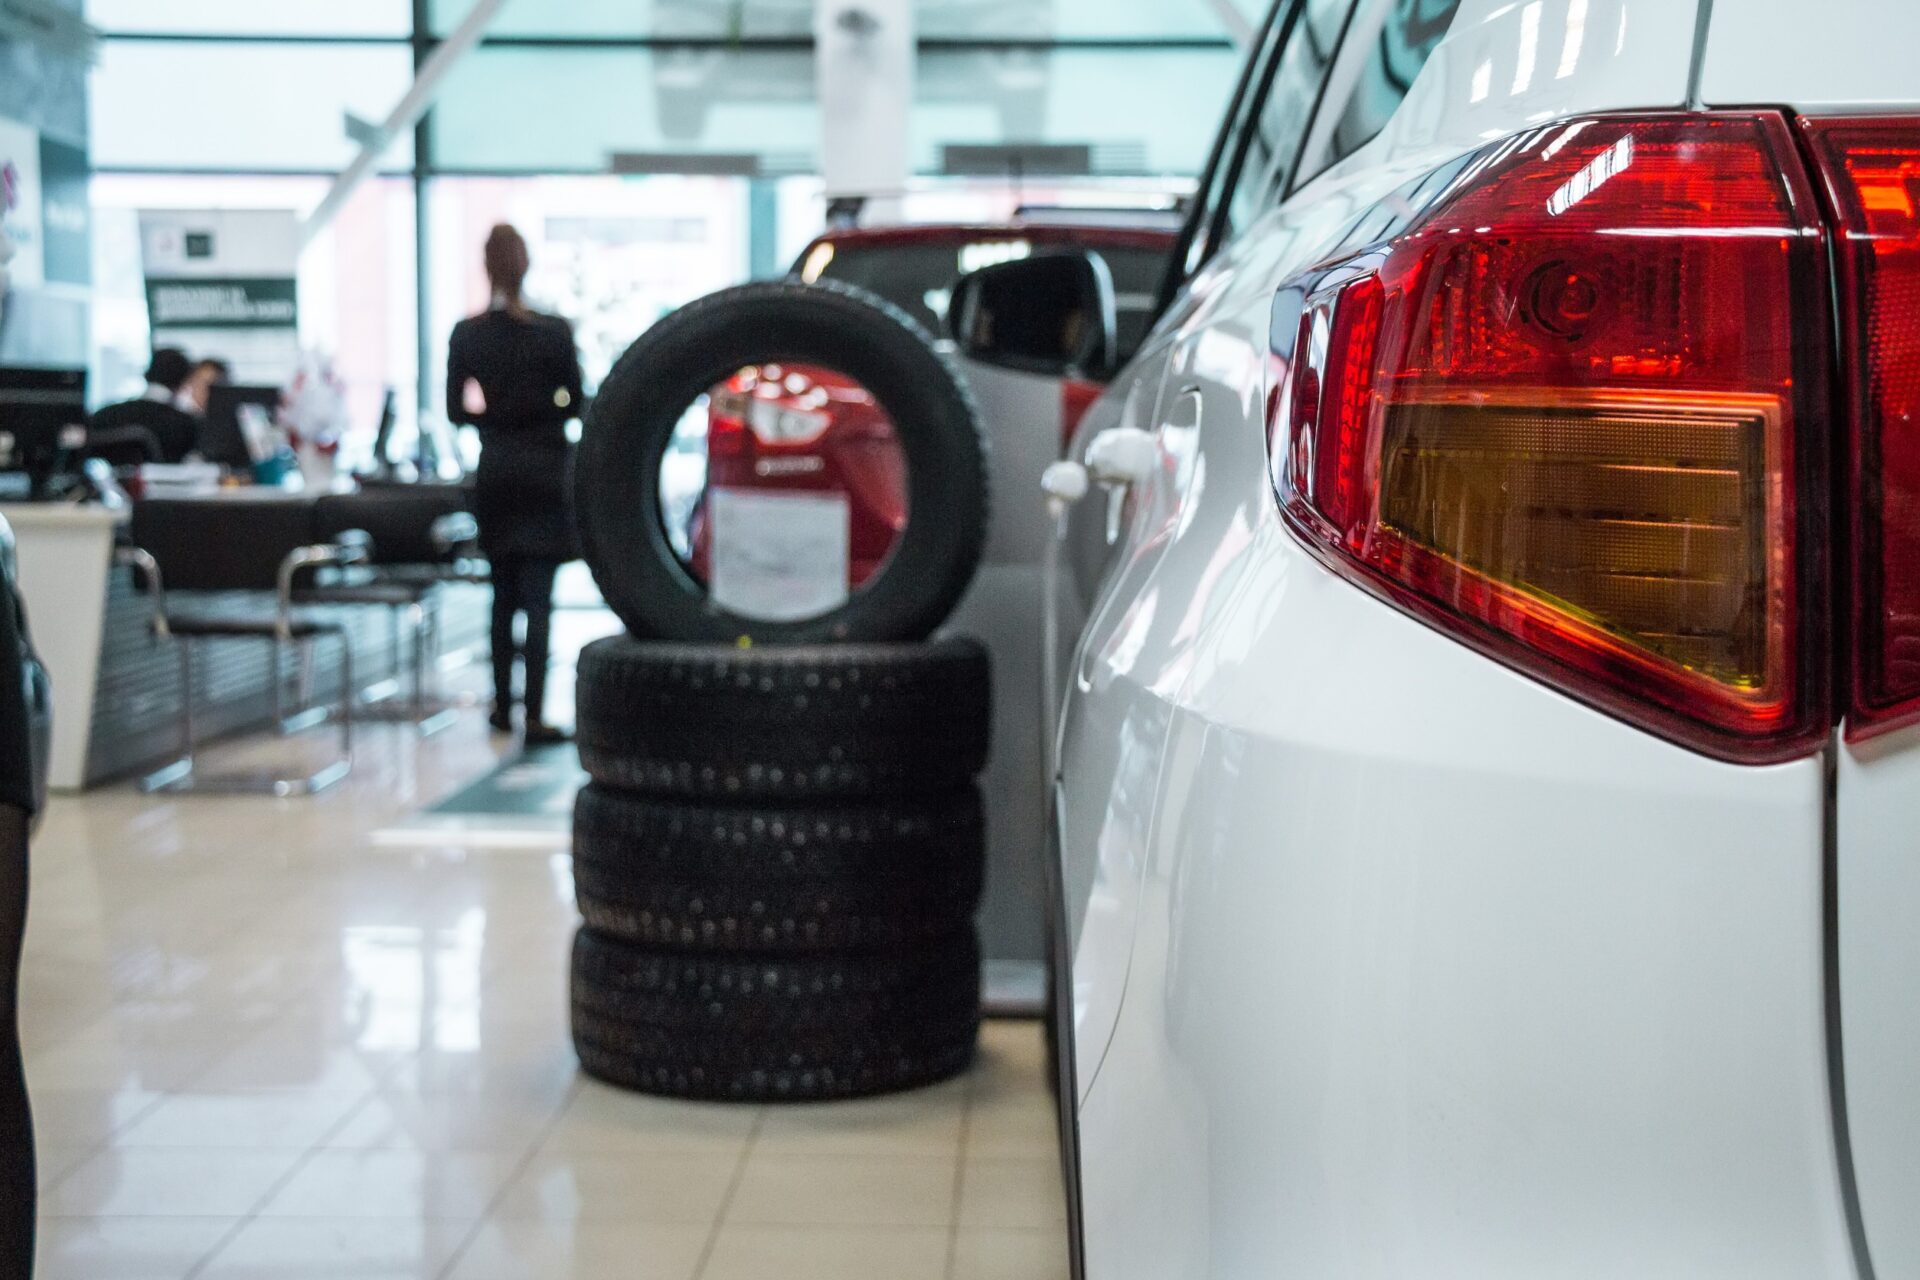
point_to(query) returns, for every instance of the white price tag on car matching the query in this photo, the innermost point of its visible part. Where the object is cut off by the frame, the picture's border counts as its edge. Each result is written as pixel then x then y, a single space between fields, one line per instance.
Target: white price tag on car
pixel 778 557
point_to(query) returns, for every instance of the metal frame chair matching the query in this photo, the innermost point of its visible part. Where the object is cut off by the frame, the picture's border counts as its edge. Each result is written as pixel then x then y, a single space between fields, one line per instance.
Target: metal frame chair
pixel 412 603
pixel 284 628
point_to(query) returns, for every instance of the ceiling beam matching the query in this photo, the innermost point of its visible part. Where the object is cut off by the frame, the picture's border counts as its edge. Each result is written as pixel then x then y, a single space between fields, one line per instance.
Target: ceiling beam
pixel 1239 28
pixel 405 114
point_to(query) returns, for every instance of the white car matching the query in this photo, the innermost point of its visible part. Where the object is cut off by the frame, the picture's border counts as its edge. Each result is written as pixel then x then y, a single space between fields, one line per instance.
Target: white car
pixel 1488 776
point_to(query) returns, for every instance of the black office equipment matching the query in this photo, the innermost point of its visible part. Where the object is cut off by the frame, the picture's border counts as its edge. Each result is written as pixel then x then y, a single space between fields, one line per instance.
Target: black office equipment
pixel 383 438
pixel 43 427
pixel 222 439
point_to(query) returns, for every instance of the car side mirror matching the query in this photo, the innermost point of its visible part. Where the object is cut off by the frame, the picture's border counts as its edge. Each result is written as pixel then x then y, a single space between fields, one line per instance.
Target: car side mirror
pixel 1051 314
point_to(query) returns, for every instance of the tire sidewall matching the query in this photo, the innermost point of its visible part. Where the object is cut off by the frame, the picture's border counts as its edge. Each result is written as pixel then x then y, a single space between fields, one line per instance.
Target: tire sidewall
pixel 633 419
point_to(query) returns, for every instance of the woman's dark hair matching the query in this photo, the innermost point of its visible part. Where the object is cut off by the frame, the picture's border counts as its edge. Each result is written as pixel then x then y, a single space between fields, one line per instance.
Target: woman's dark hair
pixel 169 369
pixel 506 259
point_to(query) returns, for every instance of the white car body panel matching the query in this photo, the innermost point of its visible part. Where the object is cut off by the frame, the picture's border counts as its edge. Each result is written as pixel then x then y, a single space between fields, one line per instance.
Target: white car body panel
pixel 1878 874
pixel 1834 57
pixel 1388 961
pixel 1856 60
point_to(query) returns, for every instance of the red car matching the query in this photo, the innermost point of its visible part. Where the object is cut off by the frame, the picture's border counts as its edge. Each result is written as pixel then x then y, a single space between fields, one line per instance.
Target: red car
pixel 807 430
pixel 797 428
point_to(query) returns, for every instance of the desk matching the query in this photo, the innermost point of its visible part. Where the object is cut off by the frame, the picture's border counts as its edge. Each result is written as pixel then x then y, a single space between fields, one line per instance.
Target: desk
pixel 66 554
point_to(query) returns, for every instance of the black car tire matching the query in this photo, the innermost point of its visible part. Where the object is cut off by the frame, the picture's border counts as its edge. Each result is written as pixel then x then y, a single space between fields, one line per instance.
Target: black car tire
pixel 806 723
pixel 826 1027
pixel 835 326
pixel 776 881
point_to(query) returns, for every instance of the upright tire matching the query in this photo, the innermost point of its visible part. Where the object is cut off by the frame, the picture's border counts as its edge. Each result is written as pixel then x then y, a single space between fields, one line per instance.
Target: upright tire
pixel 855 333
pixel 775 1030
pixel 813 723
pixel 786 881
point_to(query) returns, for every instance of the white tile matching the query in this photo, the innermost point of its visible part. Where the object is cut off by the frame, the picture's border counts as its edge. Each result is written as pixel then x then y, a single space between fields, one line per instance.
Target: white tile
pixel 925 1122
pixel 602 1119
pixel 604 1187
pixel 299 1051
pixel 1014 1123
pixel 168 1184
pixel 535 1250
pixel 285 1119
pixel 108 1056
pixel 124 1248
pixel 398 1118
pixel 546 1069
pixel 413 1185
pixel 335 1249
pixel 828 1253
pixel 982 1253
pixel 53 1162
pixel 844 1190
pixel 1012 1060
pixel 212 986
pixel 84 1117
pixel 1022 1192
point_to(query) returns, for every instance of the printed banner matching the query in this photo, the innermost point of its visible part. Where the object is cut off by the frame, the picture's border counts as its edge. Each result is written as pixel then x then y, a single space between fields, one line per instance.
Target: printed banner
pixel 222 304
pixel 222 284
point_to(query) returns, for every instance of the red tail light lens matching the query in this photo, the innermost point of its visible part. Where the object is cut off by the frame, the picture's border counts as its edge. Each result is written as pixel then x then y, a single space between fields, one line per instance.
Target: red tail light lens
pixel 1872 173
pixel 1553 404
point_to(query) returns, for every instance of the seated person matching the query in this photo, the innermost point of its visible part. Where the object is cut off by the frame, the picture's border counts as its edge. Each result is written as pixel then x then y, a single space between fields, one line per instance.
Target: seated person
pixel 198 388
pixel 176 431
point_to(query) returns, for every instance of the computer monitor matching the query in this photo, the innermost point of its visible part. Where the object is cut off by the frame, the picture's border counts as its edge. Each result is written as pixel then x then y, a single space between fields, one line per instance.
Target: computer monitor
pixel 222 439
pixel 43 426
pixel 383 438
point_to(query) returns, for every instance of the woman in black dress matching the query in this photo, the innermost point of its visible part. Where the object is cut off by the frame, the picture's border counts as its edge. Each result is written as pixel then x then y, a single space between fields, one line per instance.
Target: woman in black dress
pixel 515 375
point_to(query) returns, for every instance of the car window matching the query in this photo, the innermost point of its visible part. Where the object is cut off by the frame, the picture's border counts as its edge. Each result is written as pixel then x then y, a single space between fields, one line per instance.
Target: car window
pixel 919 277
pixel 916 277
pixel 1136 292
pixel 1407 38
pixel 1205 226
pixel 1274 141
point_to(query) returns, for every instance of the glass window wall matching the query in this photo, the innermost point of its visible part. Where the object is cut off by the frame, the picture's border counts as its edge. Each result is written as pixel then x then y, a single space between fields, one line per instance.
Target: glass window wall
pixel 793 19
pixel 242 106
pixel 392 18
pixel 535 109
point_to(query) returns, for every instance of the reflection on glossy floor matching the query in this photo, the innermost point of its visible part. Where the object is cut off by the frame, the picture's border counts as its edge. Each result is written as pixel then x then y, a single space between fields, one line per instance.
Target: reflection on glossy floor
pixel 262 1045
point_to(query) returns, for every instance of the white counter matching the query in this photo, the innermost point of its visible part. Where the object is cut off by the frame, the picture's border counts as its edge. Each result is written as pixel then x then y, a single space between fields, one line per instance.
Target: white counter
pixel 66 554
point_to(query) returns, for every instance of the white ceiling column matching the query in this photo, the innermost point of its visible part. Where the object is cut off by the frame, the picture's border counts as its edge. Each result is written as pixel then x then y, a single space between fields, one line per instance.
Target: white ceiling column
pixel 863 67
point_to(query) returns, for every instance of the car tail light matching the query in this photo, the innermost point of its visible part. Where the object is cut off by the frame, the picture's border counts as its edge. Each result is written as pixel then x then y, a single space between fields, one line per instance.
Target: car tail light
pixel 1872 174
pixel 727 435
pixel 1562 402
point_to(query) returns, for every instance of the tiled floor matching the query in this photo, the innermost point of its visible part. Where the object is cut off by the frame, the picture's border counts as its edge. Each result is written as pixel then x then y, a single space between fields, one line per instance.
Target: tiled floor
pixel 262 1044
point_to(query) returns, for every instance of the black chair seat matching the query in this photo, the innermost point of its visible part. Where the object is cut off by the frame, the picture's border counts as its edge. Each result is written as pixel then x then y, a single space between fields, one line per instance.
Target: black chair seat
pixel 241 625
pixel 436 575
pixel 397 595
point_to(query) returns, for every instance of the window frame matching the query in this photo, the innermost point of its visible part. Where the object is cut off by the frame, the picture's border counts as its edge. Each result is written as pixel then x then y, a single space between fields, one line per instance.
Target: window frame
pixel 1225 157
pixel 1207 225
pixel 1348 69
pixel 1281 185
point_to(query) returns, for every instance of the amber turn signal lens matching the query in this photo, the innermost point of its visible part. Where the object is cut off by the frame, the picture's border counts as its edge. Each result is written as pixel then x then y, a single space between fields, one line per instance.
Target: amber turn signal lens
pixel 1637 521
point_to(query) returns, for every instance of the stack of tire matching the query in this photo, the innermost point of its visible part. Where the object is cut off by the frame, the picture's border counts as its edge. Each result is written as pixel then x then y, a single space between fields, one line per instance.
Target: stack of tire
pixel 780 850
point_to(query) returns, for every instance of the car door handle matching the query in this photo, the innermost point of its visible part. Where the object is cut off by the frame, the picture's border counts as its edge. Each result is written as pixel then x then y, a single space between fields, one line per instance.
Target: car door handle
pixel 1118 459
pixel 1122 456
